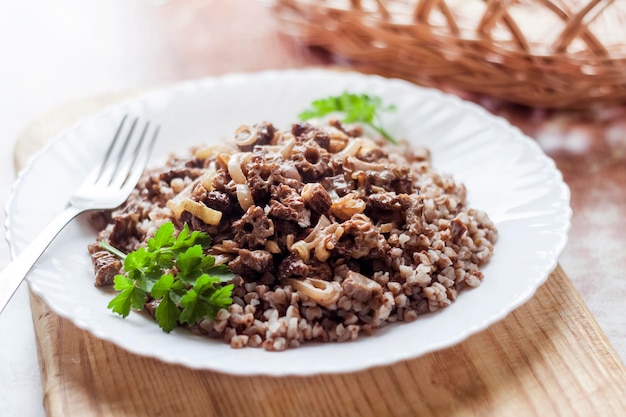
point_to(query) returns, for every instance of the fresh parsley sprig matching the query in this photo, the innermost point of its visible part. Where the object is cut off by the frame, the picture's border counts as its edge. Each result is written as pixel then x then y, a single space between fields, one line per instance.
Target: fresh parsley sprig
pixel 172 269
pixel 356 107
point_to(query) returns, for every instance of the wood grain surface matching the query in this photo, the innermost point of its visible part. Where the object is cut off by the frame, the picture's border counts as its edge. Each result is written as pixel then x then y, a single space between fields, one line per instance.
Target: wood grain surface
pixel 547 358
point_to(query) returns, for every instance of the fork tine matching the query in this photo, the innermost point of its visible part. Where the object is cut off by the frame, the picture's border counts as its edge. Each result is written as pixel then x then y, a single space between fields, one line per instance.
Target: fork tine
pixel 95 174
pixel 127 159
pixel 140 159
pixel 111 170
pixel 106 162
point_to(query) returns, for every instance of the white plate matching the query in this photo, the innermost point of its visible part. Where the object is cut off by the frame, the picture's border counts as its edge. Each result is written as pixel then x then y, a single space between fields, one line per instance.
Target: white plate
pixel 506 175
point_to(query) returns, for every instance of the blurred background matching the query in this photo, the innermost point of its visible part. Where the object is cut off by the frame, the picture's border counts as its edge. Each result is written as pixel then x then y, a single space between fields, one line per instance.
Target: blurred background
pixel 55 54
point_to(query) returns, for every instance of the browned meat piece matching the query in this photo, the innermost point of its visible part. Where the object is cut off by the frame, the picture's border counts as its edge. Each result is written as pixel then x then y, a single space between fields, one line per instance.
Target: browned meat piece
pixel 219 201
pixel 250 264
pixel 311 160
pixel 253 229
pixel 221 180
pixel 180 172
pixel 293 266
pixel 403 185
pixel 259 134
pixel 360 287
pixel 387 206
pixel 361 238
pixel 316 197
pixel 287 204
pixel 283 231
pixel 124 234
pixel 106 266
pixel 99 219
pixel 304 132
pixel 321 138
pixel 355 132
pixel 299 129
pixel 388 201
pixel 259 178
pixel 287 173
pixel 195 223
pixel 281 211
pixel 339 184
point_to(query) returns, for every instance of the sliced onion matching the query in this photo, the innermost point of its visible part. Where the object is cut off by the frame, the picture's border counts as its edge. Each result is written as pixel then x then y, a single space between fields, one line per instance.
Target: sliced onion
pixel 204 213
pixel 322 292
pixel 357 164
pixel 234 169
pixel 205 153
pixel 244 196
pixel 249 135
pixel 301 248
pixel 351 149
pixel 287 148
pixel 209 177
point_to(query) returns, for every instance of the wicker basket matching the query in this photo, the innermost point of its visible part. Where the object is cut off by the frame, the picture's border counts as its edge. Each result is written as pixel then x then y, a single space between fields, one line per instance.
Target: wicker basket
pixel 547 53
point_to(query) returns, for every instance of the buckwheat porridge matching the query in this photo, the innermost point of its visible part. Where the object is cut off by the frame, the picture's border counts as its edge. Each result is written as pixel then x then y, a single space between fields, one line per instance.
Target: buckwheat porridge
pixel 328 234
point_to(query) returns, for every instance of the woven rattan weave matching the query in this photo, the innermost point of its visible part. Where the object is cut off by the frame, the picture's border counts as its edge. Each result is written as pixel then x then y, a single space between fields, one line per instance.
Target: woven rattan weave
pixel 547 53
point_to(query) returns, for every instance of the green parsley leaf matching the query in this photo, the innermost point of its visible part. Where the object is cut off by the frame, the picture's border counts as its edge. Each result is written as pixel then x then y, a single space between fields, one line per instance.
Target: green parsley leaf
pixel 220 272
pixel 162 287
pixel 138 260
pixel 221 298
pixel 192 264
pixel 121 283
pixel 194 308
pixel 173 270
pixel 163 238
pixel 167 314
pixel 356 108
pixel 186 240
pixel 130 296
pixel 205 299
pixel 189 261
pixel 205 285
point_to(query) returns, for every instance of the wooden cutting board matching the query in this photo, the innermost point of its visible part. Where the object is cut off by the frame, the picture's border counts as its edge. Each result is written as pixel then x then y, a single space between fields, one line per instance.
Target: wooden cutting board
pixel 547 358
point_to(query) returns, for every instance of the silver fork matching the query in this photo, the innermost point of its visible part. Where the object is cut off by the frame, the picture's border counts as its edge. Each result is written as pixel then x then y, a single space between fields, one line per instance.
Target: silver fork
pixel 106 187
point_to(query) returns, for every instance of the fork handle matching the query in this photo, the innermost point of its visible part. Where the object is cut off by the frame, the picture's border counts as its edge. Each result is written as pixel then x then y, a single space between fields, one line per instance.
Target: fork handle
pixel 13 275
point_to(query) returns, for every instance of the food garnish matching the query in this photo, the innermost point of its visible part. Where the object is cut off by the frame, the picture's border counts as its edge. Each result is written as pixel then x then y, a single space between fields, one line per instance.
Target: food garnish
pixel 174 271
pixel 357 108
